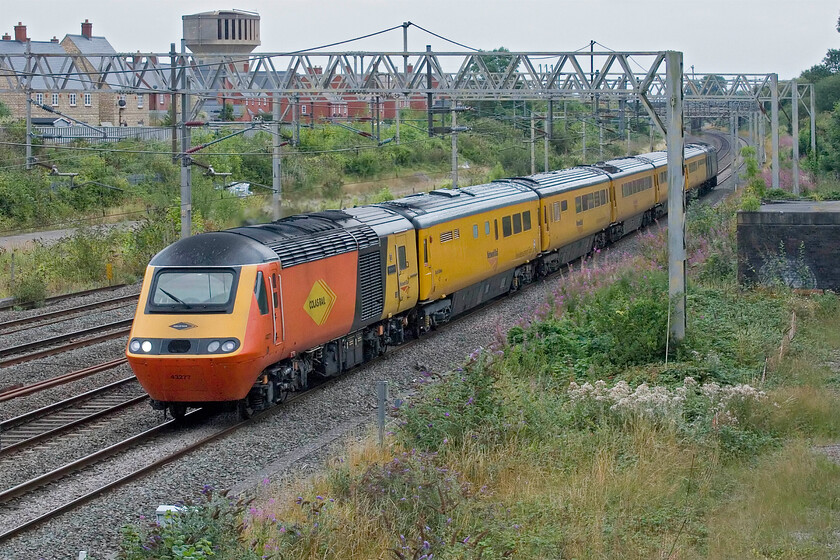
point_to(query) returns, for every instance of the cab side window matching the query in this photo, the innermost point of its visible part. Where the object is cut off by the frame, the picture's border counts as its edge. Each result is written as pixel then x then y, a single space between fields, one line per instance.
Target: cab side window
pixel 402 258
pixel 261 293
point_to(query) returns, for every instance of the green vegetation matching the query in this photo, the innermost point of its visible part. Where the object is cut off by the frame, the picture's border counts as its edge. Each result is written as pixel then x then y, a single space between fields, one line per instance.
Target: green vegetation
pixel 574 436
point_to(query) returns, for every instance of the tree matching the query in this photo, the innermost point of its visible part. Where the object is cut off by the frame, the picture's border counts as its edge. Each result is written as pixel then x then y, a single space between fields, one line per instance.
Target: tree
pixel 495 63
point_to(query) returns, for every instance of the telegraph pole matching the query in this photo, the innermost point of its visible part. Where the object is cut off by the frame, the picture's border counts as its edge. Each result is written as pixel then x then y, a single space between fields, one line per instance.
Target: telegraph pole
pixel 28 105
pixel 762 132
pixel 814 123
pixel 549 130
pixel 533 143
pixel 675 140
pixel 276 160
pixel 774 127
pixel 454 147
pixel 186 160
pixel 429 96
pixel 794 131
pixel 173 100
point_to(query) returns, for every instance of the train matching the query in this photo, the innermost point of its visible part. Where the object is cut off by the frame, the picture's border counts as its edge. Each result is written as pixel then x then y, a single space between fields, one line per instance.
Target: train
pixel 245 316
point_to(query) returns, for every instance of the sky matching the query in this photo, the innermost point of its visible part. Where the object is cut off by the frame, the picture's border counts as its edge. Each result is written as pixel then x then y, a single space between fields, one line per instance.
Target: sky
pixel 716 36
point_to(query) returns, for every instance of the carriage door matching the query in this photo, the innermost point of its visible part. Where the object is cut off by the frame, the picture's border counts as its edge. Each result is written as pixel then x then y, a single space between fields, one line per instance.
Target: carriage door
pixel 404 276
pixel 277 309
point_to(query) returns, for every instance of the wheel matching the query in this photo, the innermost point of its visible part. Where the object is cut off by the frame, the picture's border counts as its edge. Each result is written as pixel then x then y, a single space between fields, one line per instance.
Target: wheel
pixel 246 410
pixel 178 410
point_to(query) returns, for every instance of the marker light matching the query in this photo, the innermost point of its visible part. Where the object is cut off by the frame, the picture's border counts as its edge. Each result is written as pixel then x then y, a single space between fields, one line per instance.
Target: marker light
pixel 146 346
pixel 134 346
pixel 213 346
pixel 228 346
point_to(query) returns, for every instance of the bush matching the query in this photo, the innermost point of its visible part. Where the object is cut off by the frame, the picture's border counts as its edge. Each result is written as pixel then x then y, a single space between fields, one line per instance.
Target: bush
pixel 210 528
pixel 30 289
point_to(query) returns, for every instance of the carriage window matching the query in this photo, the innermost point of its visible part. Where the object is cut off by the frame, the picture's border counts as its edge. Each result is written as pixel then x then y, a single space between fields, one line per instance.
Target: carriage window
pixel 274 290
pixel 475 231
pixel 506 228
pixel 526 220
pixel 487 228
pixel 262 297
pixel 564 205
pixel 496 228
pixel 578 205
pixel 425 252
pixel 517 223
pixel 402 257
pixel 556 209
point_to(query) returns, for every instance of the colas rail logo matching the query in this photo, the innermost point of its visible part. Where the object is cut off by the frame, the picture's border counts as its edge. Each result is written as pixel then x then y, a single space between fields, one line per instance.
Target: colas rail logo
pixel 319 302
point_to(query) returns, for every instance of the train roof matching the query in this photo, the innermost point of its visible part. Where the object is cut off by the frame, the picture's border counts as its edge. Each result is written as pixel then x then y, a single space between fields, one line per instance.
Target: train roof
pixel 218 248
pixel 441 205
pixel 561 180
pixel 620 167
pixel 382 220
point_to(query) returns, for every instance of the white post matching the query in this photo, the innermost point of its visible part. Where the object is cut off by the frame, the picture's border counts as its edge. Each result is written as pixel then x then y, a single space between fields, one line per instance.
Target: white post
pixel 794 131
pixel 675 141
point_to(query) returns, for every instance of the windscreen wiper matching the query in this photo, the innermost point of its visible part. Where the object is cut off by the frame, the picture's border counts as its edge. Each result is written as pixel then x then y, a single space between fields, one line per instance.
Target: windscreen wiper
pixel 186 305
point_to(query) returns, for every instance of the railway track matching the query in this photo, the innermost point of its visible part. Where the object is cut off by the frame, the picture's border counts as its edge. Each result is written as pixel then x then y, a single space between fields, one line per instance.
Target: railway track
pixel 64 314
pixel 33 485
pixel 55 419
pixel 11 303
pixel 122 328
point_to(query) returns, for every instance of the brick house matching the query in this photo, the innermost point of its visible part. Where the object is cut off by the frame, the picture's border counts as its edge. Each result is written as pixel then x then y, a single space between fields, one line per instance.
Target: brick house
pixel 102 106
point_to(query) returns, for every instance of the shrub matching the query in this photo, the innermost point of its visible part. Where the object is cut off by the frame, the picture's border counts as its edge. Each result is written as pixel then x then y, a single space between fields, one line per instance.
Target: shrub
pixel 30 288
pixel 210 528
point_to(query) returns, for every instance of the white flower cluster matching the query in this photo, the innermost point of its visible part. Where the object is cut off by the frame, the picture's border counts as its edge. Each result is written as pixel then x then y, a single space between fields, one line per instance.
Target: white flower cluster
pixel 658 402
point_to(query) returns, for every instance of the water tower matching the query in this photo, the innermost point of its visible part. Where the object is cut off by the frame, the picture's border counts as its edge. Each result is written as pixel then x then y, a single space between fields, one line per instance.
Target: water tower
pixel 228 32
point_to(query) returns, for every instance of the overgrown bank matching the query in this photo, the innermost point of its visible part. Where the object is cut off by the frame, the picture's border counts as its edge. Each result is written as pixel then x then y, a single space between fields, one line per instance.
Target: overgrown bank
pixel 574 437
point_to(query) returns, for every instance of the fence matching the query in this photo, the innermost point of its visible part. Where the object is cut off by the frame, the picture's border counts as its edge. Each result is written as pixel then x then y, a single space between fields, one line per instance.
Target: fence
pixel 68 134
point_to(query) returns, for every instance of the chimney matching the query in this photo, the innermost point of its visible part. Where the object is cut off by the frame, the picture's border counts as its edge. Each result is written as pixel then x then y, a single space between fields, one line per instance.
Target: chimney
pixel 7 37
pixel 54 39
pixel 87 30
pixel 20 32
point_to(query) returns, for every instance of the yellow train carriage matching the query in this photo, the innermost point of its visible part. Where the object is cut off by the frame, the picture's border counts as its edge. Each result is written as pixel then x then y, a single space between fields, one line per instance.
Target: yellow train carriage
pixel 470 240
pixel 696 173
pixel 634 186
pixel 575 206
pixel 398 242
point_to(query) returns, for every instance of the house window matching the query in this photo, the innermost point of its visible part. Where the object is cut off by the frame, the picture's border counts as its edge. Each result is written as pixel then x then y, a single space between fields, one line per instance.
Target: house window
pixel 303 109
pixel 140 101
pixel 87 100
pixel 39 98
pixel 55 100
pixel 161 99
pixel 72 97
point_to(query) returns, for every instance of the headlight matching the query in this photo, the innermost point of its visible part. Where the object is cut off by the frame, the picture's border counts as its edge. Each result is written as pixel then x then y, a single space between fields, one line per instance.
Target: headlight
pixel 146 346
pixel 213 346
pixel 134 346
pixel 229 346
